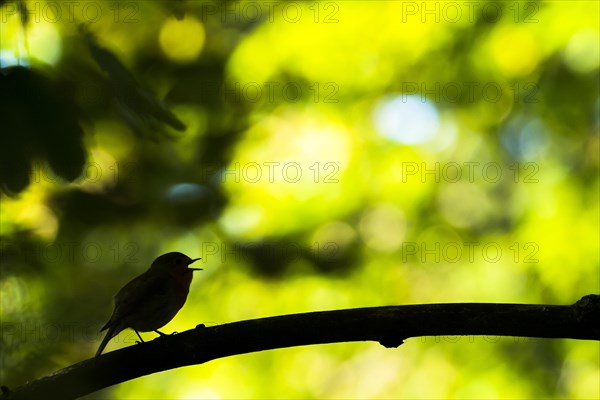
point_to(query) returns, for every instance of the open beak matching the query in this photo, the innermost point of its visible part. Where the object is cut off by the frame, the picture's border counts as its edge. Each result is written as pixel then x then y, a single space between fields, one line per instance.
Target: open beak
pixel 193 261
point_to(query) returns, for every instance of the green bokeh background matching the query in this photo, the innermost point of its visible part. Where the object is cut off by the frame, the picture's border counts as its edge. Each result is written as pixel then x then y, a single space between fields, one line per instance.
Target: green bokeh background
pixel 317 171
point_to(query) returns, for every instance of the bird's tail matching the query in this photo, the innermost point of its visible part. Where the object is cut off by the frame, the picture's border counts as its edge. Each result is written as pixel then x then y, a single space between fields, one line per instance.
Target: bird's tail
pixel 113 330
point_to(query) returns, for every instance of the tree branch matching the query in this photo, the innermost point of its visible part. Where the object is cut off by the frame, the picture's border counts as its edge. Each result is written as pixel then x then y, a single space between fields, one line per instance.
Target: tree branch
pixel 389 326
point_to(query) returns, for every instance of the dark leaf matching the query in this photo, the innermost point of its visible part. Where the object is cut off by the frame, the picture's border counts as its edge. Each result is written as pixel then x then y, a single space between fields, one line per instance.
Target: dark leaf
pixel 136 105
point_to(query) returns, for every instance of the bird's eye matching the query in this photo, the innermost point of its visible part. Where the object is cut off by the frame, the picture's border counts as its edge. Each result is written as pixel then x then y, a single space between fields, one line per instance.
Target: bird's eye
pixel 178 261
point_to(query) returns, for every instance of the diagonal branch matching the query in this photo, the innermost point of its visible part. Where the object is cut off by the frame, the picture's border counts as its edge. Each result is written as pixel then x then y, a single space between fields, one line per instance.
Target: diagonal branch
pixel 389 326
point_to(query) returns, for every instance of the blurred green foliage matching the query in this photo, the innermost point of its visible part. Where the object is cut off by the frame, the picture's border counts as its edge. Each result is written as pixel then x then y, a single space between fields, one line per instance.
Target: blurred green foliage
pixel 316 155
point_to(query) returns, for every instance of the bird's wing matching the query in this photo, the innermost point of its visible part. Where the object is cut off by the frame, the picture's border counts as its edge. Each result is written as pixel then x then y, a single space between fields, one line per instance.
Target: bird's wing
pixel 142 290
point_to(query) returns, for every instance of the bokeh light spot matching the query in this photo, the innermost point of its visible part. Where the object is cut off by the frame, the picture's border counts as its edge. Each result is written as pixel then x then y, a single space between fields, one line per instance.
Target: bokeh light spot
pixel 45 43
pixel 524 138
pixel 8 58
pixel 464 205
pixel 182 41
pixel 406 119
pixel 241 221
pixel 14 296
pixel 383 228
pixel 582 53
pixel 184 193
pixel 514 50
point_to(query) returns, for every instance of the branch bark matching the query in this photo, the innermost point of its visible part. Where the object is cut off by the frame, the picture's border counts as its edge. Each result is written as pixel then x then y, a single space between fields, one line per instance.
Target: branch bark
pixel 389 326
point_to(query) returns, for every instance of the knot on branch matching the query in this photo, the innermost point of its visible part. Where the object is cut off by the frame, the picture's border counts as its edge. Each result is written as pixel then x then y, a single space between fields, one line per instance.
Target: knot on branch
pixel 588 308
pixel 587 313
pixel 391 342
pixel 590 300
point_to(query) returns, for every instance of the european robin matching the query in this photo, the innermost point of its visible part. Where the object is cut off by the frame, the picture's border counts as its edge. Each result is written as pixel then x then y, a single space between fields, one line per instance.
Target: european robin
pixel 151 300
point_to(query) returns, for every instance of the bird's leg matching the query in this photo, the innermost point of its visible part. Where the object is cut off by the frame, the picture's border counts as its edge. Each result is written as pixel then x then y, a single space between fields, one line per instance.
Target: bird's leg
pixel 141 340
